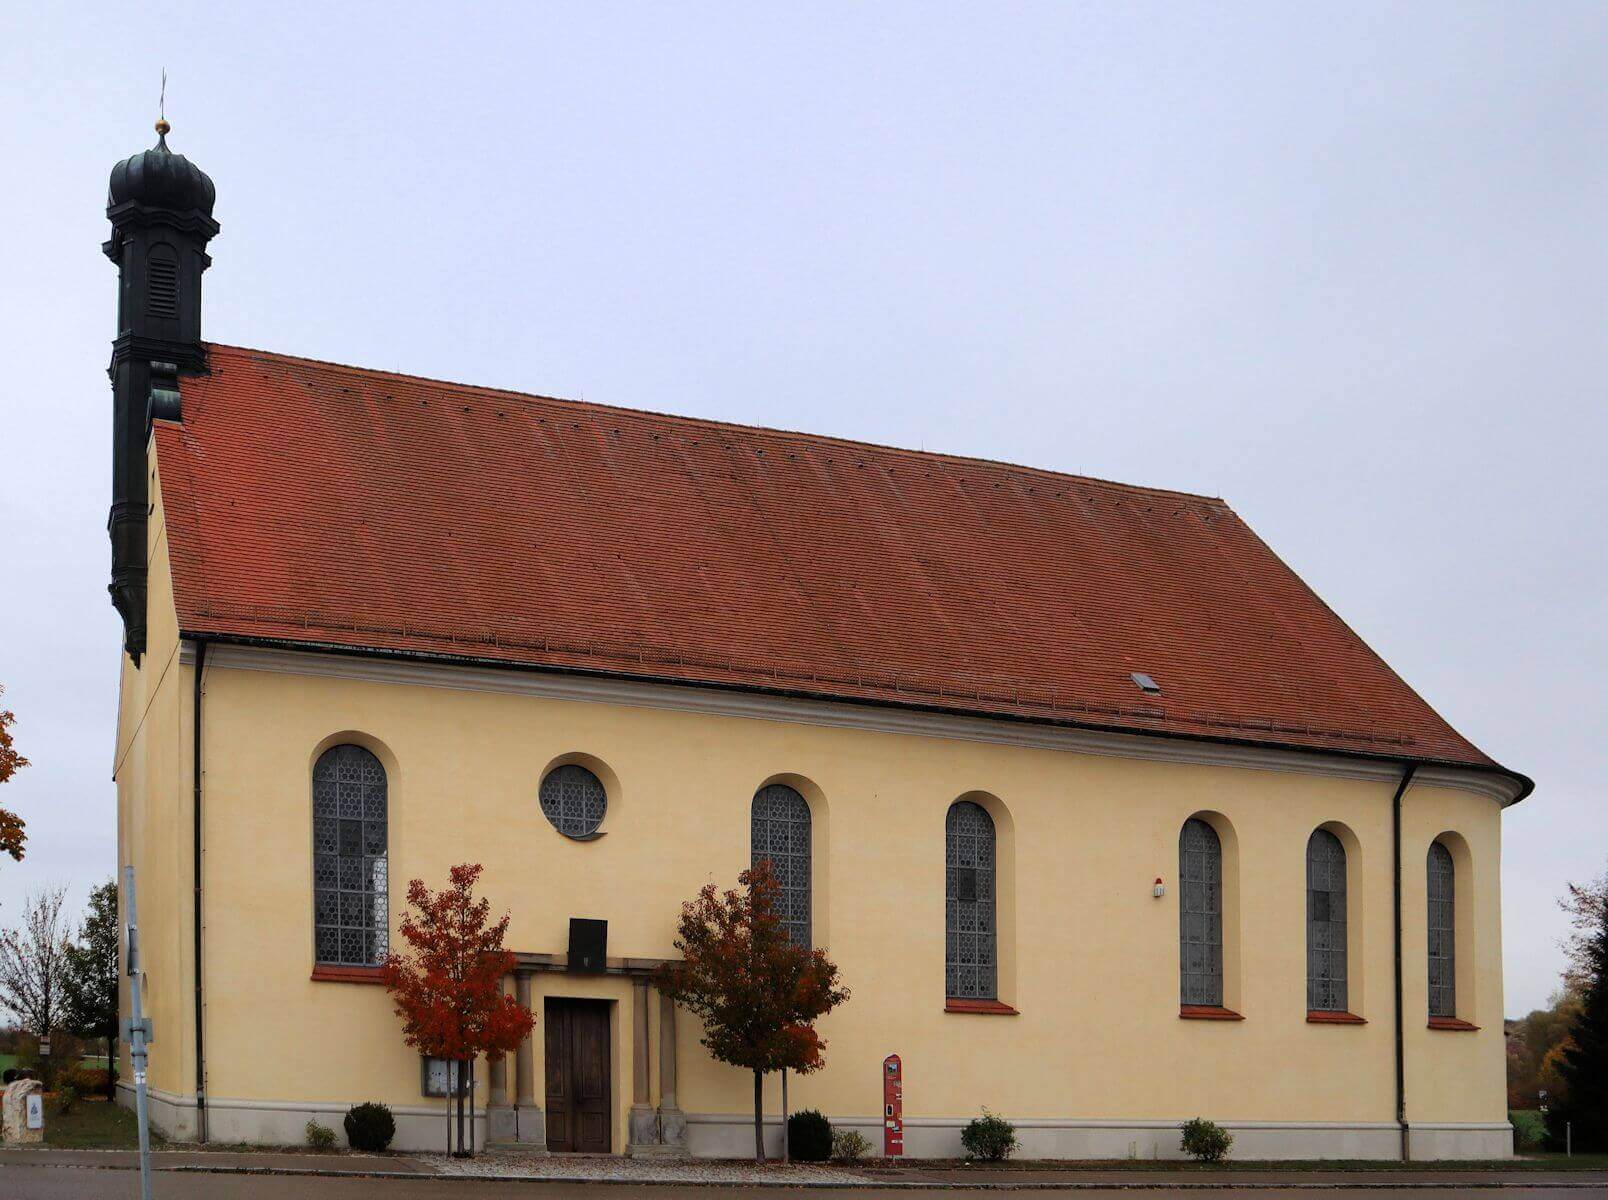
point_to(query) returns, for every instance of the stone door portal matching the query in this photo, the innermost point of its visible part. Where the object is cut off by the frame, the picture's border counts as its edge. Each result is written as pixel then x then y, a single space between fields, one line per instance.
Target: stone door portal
pixel 579 1105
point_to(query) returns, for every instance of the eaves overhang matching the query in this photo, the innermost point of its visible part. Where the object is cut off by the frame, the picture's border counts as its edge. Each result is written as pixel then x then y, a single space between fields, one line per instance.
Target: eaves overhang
pixel 441 669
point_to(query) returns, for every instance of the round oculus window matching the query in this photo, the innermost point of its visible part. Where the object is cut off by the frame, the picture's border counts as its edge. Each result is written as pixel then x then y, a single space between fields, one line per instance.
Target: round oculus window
pixel 573 799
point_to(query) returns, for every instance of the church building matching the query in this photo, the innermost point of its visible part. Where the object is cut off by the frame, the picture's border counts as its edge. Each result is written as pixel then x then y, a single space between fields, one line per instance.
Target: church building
pixel 1107 819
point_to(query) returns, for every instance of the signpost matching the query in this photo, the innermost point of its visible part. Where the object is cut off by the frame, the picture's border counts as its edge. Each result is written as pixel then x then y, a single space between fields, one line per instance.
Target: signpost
pixel 137 1031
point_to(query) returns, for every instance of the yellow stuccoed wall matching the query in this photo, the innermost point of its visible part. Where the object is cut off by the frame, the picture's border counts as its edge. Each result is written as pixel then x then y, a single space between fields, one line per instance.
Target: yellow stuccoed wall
pixel 1091 956
pixel 152 767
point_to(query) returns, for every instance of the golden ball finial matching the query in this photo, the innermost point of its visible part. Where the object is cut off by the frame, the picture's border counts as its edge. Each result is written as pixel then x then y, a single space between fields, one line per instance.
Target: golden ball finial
pixel 162 127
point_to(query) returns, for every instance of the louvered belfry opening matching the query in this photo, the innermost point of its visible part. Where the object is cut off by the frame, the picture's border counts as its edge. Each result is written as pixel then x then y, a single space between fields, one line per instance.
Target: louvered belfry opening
pixel 970 941
pixel 1442 925
pixel 162 284
pixel 1326 923
pixel 1200 915
pixel 780 830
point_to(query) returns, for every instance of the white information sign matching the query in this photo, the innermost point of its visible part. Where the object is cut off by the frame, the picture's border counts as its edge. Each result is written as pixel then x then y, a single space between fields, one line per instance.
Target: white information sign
pixel 36 1111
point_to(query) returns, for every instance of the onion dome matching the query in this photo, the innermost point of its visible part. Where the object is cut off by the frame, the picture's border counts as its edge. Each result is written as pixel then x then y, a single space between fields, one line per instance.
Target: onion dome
pixel 158 178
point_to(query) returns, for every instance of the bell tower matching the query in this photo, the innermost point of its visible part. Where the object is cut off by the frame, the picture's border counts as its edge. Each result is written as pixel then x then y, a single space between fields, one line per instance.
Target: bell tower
pixel 160 207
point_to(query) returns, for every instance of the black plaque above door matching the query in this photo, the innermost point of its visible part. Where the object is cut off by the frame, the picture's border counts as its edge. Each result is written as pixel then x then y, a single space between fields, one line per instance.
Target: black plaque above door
pixel 588 945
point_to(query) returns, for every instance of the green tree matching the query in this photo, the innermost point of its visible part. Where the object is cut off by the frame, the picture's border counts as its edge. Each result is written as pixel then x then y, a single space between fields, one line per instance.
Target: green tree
pixel 757 992
pixel 92 975
pixel 1583 1063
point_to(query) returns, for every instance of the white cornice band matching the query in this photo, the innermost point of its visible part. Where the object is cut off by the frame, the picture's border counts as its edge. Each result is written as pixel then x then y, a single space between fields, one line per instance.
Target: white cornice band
pixel 591 689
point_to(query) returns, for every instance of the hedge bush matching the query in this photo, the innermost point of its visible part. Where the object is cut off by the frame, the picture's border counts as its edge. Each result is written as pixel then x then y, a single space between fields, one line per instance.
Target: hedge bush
pixel 369 1127
pixel 1205 1140
pixel 809 1136
pixel 90 1081
pixel 989 1137
pixel 1529 1129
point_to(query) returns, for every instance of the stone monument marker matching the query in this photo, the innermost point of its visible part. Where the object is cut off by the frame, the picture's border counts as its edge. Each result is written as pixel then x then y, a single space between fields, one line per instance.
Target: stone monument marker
pixel 14 1106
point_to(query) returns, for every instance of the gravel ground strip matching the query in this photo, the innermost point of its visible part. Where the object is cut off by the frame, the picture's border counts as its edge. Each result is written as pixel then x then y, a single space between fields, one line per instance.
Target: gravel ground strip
pixel 511 1164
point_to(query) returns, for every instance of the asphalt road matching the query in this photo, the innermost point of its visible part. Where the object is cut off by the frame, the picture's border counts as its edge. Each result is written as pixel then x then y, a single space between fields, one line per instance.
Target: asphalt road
pixel 71 1183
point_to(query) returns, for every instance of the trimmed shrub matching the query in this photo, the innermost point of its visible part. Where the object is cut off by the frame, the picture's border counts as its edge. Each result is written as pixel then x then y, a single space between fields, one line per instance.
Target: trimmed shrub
pixel 319 1137
pixel 849 1145
pixel 989 1137
pixel 1205 1140
pixel 369 1127
pixel 809 1136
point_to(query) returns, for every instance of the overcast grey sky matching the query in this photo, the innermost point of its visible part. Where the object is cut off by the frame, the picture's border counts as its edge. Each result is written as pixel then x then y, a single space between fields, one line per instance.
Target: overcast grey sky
pixel 1344 266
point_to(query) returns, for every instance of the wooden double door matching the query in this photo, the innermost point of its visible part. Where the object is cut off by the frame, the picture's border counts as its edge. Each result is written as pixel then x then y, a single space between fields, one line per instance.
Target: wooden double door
pixel 580 1114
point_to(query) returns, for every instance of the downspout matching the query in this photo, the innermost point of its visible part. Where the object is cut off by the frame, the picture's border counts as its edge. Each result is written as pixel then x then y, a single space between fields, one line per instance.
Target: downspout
pixel 195 768
pixel 1401 1060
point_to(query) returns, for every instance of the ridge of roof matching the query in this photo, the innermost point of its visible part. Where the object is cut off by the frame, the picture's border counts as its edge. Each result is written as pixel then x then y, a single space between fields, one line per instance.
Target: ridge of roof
pixel 820 439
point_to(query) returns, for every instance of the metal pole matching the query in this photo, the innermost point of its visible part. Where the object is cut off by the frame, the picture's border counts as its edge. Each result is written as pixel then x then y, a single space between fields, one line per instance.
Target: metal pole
pixel 139 1032
pixel 462 1081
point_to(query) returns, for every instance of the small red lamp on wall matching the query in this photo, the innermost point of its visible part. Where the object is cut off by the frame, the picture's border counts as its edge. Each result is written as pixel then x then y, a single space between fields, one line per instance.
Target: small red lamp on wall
pixel 1160 889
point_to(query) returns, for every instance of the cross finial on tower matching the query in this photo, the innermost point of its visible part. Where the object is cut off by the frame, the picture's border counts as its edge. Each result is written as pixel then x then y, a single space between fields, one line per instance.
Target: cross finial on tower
pixel 162 125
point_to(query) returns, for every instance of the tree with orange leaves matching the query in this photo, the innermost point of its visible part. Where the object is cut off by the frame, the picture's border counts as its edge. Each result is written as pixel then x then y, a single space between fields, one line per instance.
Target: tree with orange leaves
pixel 449 989
pixel 757 992
pixel 12 835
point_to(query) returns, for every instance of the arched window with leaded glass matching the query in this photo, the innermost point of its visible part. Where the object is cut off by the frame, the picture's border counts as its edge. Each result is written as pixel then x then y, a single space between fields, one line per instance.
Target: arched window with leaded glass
pixel 1442 922
pixel 1326 923
pixel 779 830
pixel 351 914
pixel 971 969
pixel 1200 915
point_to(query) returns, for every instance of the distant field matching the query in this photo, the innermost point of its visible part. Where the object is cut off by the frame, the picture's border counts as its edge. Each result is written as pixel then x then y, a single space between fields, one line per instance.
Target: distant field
pixel 89 1060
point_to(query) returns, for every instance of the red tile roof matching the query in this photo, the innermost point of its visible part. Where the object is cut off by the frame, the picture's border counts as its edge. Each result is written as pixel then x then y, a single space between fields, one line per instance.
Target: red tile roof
pixel 317 504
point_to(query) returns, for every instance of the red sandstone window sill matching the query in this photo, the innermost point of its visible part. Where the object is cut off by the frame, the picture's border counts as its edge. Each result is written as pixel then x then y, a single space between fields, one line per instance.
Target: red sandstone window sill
pixel 1317 1016
pixel 329 973
pixel 1208 1012
pixel 1452 1024
pixel 952 1004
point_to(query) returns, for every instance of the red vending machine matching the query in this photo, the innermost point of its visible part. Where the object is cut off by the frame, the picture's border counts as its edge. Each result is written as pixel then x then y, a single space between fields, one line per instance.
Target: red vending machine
pixel 892 1107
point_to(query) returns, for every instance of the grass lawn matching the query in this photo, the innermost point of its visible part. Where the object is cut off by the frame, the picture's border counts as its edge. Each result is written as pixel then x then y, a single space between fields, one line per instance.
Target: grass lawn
pixel 94 1125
